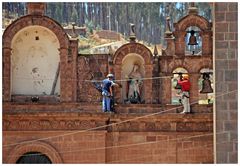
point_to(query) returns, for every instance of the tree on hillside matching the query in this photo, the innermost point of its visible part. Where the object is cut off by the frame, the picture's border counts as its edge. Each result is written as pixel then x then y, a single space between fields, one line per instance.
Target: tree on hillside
pixel 149 18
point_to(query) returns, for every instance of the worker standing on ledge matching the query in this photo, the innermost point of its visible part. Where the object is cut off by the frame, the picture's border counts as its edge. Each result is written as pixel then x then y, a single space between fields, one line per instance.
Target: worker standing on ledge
pixel 107 93
pixel 185 87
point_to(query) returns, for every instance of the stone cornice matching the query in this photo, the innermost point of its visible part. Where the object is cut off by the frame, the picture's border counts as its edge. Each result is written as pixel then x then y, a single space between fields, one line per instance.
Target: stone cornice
pixel 53 121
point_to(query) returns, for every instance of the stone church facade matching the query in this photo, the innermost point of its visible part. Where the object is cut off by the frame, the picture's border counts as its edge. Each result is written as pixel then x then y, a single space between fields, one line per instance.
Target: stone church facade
pixel 66 124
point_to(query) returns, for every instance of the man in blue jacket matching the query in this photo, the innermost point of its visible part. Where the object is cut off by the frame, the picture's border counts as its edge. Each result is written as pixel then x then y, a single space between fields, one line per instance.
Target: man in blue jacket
pixel 107 93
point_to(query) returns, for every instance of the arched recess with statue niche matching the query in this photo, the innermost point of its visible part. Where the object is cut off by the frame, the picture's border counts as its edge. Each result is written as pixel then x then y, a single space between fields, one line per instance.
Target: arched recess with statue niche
pixel 132 68
pixel 42 40
pixel 35 62
pixel 130 57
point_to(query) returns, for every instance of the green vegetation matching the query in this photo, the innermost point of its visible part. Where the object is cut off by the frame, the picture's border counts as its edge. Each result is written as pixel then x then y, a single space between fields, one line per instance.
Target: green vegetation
pixel 149 18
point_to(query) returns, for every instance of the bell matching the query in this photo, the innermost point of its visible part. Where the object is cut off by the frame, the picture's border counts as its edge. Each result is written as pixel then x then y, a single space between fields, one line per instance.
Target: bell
pixel 206 84
pixel 192 39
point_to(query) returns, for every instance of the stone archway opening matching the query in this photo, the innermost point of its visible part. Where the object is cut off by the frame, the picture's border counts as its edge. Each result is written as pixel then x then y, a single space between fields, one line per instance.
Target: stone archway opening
pixel 34 158
pixel 193 41
pixel 176 93
pixel 35 62
pixel 204 96
pixel 34 149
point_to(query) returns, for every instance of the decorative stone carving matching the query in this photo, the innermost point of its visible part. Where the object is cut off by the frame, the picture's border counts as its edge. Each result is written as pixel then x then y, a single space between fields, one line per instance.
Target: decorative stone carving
pixel 70 124
pixel 74 124
pixel 6 124
pixel 34 124
pixel 43 124
pixel 24 124
pixel 150 126
pixel 132 36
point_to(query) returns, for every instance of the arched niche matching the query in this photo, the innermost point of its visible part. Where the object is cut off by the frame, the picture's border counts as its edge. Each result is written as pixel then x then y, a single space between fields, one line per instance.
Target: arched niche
pixel 35 62
pixel 205 98
pixel 133 52
pixel 193 20
pixel 176 93
pixel 37 146
pixel 28 21
pixel 31 20
pixel 129 62
pixel 190 48
pixel 34 158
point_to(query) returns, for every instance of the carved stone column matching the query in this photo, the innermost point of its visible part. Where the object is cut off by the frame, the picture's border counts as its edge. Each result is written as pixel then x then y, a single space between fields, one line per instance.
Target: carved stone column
pixel 206 43
pixel 170 51
pixel 148 84
pixel 118 91
pixel 6 74
pixel 180 43
pixel 194 91
pixel 155 82
pixel 110 64
pixel 64 80
pixel 166 89
pixel 73 68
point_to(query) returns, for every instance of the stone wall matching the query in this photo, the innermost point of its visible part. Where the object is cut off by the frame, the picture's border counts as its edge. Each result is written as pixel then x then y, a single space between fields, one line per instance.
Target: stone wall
pixel 226 49
pixel 193 64
pixel 98 147
pixel 65 135
pixel 90 67
pixel 73 148
pixel 150 147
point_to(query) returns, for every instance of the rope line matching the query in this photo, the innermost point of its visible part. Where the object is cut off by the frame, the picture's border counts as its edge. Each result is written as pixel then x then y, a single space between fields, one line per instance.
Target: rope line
pixel 120 80
pixel 153 155
pixel 90 129
pixel 135 144
pixel 81 131
pixel 141 79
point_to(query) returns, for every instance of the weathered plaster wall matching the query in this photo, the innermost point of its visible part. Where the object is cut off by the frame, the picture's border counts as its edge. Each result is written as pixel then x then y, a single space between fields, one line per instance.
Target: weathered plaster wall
pixel 35 59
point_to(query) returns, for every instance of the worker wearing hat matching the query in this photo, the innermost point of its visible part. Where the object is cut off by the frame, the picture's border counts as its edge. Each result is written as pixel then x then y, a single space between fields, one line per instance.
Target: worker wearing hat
pixel 185 87
pixel 107 93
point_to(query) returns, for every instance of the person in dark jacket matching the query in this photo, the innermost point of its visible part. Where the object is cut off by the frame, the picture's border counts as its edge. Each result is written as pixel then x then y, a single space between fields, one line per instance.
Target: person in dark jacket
pixel 107 93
